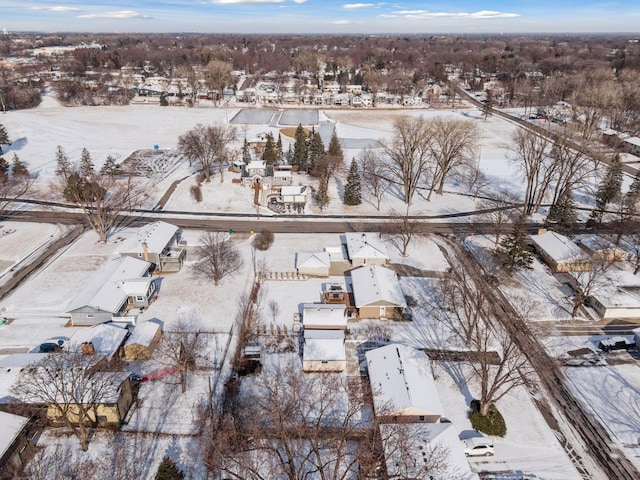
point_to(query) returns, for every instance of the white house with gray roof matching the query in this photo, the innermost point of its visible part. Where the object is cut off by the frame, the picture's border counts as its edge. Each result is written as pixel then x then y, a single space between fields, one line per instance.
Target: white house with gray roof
pixel 158 243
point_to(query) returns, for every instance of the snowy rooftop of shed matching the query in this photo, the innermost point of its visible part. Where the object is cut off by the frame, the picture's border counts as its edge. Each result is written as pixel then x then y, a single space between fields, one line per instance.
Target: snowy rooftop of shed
pixel 143 333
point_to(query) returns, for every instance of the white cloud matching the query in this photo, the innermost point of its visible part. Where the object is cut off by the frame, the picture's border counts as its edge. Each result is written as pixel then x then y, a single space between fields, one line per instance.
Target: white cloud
pixel 245 2
pixel 299 1
pixel 358 5
pixel 56 9
pixel 121 15
pixel 423 14
pixel 341 22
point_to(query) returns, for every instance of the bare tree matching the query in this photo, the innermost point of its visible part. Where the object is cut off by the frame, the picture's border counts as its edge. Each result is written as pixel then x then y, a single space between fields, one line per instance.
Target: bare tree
pixel 219 257
pixel 532 160
pixel 180 349
pixel 217 75
pixel 498 211
pixel 572 168
pixel 374 173
pixel 12 189
pixel 404 227
pixel 68 383
pixel 453 144
pixel 587 282
pixel 207 146
pixel 274 309
pixel 409 153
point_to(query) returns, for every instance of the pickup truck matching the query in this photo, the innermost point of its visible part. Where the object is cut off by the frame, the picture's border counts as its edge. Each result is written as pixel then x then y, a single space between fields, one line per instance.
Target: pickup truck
pixel 616 343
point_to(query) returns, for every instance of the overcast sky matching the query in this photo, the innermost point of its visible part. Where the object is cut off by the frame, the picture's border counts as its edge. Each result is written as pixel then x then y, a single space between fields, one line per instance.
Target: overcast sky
pixel 320 16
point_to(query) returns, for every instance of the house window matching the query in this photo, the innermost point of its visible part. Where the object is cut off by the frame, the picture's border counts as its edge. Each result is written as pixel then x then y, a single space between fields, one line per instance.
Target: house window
pixel 140 298
pixel 325 361
pixel 90 315
pixel 102 419
pixel 140 254
pixel 421 418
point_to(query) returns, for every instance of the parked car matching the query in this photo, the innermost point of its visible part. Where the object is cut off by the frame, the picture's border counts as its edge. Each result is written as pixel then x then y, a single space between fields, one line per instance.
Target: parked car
pixel 616 343
pixel 54 344
pixel 478 447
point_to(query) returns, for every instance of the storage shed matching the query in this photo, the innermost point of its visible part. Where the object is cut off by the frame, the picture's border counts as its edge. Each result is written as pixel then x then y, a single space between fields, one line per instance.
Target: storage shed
pixel 143 340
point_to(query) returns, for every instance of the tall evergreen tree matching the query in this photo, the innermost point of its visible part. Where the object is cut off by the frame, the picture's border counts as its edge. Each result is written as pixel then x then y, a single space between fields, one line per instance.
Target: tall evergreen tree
pixel 353 188
pixel 246 155
pixel 110 167
pixel 4 170
pixel 279 152
pixel 315 150
pixel 513 250
pixel 18 168
pixel 63 165
pixel 168 470
pixel 562 217
pixel 269 155
pixel 4 137
pixel 300 154
pixel 289 155
pixel 335 150
pixel 322 194
pixel 87 168
pixel 609 190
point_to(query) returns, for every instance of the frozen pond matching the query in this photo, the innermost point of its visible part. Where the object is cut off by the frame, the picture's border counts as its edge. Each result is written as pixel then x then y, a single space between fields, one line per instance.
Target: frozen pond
pixel 358 143
pixel 253 116
pixel 295 117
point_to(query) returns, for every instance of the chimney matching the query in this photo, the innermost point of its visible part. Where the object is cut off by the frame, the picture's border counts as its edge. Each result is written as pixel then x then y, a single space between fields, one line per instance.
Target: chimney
pixel 145 251
pixel 87 348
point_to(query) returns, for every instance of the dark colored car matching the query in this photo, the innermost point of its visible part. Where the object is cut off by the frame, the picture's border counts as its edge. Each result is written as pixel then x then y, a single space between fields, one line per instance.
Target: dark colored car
pixel 49 347
pixel 615 343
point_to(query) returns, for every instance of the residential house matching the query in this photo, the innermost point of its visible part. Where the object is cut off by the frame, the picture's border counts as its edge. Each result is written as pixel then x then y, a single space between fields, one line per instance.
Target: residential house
pixel 377 292
pixel 402 385
pixel 600 248
pixel 617 295
pixel 366 248
pixel 15 442
pixel 121 284
pixel 158 243
pixel 143 340
pixel 323 351
pixel 105 340
pixel 632 145
pixel 315 264
pixel 323 316
pixel 354 89
pixel 560 253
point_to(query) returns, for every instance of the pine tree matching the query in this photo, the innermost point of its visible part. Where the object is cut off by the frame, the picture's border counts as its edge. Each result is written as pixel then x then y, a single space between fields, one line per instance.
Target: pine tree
pixel 269 155
pixel 110 167
pixel 87 168
pixel 353 188
pixel 289 156
pixel 300 154
pixel 609 189
pixel 279 152
pixel 562 217
pixel 315 149
pixel 168 470
pixel 18 169
pixel 246 155
pixel 4 170
pixel 4 137
pixel 63 165
pixel 335 150
pixel 487 106
pixel 322 194
pixel 513 250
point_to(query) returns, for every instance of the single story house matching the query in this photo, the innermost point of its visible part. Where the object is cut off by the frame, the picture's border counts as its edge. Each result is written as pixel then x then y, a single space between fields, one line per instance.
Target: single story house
pixel 106 339
pixel 560 253
pixel 402 385
pixel 324 316
pixel 601 248
pixel 143 340
pixel 324 351
pixel 14 441
pixel 618 297
pixel 315 264
pixel 120 284
pixel 366 248
pixel 158 243
pixel 377 292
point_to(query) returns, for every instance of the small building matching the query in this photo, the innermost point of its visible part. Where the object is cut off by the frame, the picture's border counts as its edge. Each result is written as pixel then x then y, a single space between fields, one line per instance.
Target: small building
pixel 314 264
pixel 324 316
pixel 402 385
pixel 294 194
pixel 560 253
pixel 618 296
pixel 366 248
pixel 632 145
pixel 15 442
pixel 600 248
pixel 377 292
pixel 324 351
pixel 106 340
pixel 158 243
pixel 142 341
pixel 120 284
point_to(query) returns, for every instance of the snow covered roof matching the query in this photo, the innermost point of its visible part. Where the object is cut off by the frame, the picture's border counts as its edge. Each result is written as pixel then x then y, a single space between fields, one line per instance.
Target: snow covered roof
pixel 293 190
pixel 423 438
pixel 313 260
pixel 633 141
pixel 402 382
pixel 559 248
pixel 143 333
pixel 324 314
pixel 597 243
pixel 375 284
pixel 106 338
pixel 156 235
pixel 621 289
pixel 136 286
pixel 10 425
pixel 104 290
pixel 365 245
pixel 21 360
pixel 324 345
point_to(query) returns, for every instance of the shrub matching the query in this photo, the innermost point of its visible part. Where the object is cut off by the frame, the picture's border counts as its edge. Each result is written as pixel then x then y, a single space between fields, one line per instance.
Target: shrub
pixel 196 192
pixel 263 240
pixel 491 424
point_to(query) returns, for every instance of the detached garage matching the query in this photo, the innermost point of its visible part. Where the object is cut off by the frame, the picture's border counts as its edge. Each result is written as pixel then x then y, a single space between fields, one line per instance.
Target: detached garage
pixel 143 341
